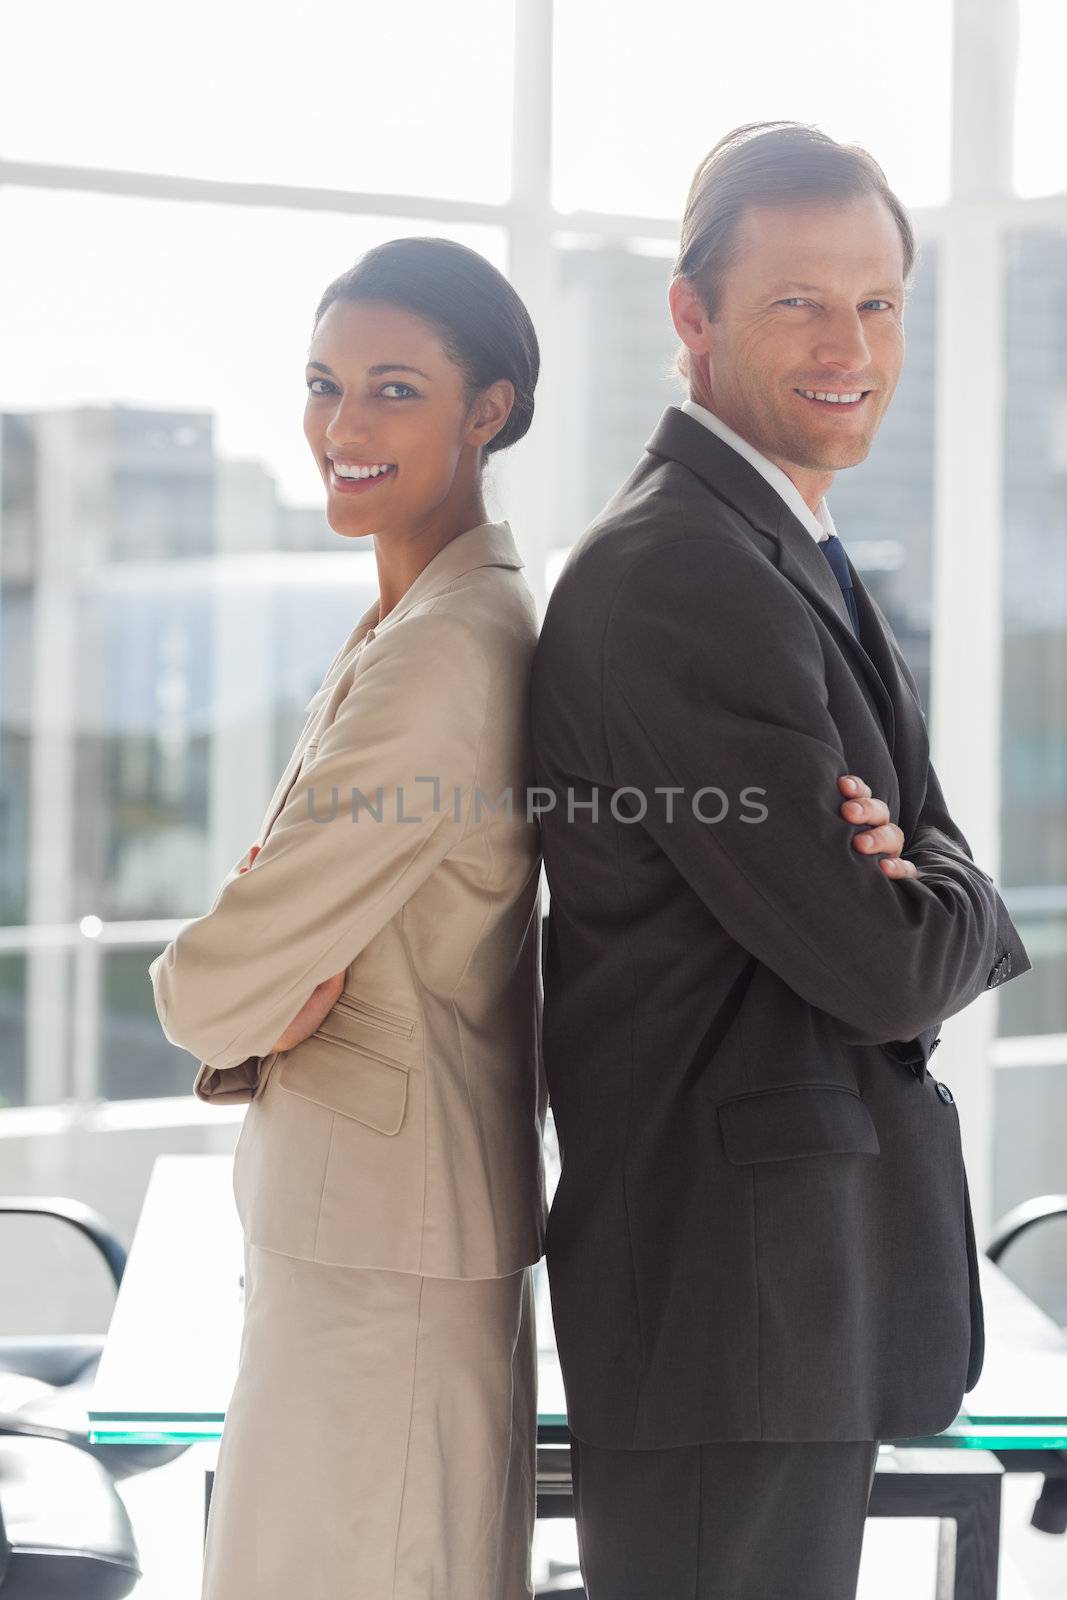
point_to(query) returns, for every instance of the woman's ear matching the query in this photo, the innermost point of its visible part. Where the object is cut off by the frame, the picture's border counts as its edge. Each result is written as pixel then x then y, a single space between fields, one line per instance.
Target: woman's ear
pixel 490 411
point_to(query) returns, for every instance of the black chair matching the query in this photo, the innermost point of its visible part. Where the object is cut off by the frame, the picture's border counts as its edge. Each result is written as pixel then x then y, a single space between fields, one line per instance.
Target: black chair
pixel 1050 1510
pixel 46 1379
pixel 64 1532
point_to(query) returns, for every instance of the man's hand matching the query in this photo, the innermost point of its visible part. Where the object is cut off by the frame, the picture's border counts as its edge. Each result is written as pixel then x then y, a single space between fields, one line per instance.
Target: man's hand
pixel 316 1007
pixel 883 836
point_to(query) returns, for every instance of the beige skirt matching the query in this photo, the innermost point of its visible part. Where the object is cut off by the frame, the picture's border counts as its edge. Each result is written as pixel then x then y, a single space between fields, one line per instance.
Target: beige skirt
pixel 380 1442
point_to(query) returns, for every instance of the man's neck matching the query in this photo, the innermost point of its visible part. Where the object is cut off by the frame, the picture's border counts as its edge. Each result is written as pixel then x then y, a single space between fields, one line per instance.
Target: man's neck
pixel 812 486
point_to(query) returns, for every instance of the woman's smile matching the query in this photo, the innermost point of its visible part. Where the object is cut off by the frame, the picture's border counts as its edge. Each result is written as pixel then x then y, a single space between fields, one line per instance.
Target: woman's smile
pixel 357 477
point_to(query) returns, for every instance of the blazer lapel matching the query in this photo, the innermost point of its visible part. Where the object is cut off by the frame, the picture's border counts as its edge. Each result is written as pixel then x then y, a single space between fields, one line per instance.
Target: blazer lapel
pixel 315 719
pixel 680 437
pixel 488 544
pixel 911 757
pixel 881 659
pixel 803 563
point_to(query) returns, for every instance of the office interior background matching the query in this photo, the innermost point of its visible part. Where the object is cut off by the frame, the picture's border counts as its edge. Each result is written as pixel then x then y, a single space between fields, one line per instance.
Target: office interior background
pixel 175 193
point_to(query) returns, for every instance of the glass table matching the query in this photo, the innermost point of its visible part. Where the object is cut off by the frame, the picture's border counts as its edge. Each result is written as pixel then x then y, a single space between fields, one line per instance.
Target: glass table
pixel 170 1360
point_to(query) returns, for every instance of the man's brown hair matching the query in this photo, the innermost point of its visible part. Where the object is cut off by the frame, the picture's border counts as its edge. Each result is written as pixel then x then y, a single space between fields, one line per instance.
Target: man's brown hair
pixel 769 164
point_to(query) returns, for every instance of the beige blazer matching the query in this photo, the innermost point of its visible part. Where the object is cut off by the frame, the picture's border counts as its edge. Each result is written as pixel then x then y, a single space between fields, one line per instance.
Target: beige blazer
pixel 406 1132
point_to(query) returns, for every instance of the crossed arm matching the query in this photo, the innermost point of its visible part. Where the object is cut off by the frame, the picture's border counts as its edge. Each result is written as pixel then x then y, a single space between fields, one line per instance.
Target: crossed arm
pixel 386 796
pixel 698 697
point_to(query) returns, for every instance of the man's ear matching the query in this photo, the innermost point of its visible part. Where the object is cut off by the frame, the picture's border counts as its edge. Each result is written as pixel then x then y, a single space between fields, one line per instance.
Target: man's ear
pixel 688 314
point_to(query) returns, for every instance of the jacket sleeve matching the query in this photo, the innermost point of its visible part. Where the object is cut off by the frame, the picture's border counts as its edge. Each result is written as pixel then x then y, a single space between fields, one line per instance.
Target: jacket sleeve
pixel 699 701
pixel 937 847
pixel 380 802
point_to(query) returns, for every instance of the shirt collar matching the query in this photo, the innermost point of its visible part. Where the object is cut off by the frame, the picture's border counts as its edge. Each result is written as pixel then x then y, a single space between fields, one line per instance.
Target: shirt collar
pixel 819 522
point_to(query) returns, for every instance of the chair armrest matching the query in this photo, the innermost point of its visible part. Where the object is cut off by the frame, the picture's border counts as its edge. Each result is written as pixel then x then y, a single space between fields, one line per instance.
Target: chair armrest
pixel 15 1426
pixel 1018 1221
pixel 83 1217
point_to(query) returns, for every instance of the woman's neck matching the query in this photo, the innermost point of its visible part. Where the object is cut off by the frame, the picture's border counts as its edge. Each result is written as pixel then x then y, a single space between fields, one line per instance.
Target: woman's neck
pixel 402 556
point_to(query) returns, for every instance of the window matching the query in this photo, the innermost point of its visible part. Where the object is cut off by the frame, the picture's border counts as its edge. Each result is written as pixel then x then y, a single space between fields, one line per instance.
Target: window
pixel 1040 135
pixel 334 98
pixel 637 107
pixel 1034 736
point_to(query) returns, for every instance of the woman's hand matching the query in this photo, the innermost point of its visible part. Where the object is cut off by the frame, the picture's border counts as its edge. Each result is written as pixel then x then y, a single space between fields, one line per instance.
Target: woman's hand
pixel 312 1013
pixel 885 836
pixel 316 1007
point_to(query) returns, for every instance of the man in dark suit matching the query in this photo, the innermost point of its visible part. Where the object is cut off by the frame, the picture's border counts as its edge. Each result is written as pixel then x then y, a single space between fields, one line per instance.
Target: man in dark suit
pixel 761 1251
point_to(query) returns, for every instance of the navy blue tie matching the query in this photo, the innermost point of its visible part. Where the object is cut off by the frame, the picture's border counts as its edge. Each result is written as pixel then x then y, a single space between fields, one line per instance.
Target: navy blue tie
pixel 834 551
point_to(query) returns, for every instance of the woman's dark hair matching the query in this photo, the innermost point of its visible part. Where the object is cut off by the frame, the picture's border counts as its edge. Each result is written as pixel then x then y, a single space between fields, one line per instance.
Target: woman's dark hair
pixel 482 322
pixel 769 164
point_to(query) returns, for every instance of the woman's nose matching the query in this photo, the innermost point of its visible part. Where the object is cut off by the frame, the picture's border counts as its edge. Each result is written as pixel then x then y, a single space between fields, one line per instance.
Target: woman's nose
pixel 348 425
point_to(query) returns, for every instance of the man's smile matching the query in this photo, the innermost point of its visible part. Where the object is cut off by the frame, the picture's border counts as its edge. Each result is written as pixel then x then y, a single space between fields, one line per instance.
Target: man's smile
pixel 840 399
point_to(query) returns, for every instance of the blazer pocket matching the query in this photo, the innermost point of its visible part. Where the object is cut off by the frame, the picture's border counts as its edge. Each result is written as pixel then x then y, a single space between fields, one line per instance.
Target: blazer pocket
pixel 375 1016
pixel 805 1119
pixel 347 1078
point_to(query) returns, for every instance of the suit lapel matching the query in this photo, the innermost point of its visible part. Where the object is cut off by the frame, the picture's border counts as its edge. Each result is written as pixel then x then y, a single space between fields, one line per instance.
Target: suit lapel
pixel 879 668
pixel 681 438
pixel 880 660
pixel 803 563
pixel 911 755
pixel 488 544
pixel 320 709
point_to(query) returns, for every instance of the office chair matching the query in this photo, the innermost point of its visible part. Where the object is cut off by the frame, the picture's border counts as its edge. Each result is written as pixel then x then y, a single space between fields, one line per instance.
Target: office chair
pixel 46 1379
pixel 1050 1510
pixel 64 1532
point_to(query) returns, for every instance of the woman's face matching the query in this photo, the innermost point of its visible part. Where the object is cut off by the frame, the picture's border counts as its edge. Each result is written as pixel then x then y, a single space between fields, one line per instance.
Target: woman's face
pixel 383 393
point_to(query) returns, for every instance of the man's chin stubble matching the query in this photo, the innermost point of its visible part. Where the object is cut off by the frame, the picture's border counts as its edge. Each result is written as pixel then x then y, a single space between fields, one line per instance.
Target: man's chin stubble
pixel 804 453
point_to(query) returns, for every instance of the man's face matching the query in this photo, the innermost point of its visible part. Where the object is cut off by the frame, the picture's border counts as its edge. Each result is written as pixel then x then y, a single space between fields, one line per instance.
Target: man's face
pixel 813 301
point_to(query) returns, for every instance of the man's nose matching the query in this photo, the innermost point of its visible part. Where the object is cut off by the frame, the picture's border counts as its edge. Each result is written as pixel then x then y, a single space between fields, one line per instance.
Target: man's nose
pixel 843 343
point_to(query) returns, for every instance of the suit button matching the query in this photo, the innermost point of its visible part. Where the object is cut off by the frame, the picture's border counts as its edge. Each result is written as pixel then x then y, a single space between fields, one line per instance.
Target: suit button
pixel 1000 972
pixel 945 1092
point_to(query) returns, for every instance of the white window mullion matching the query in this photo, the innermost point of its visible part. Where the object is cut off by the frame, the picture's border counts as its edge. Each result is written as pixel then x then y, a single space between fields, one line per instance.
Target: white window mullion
pixel 525 474
pixel 967 631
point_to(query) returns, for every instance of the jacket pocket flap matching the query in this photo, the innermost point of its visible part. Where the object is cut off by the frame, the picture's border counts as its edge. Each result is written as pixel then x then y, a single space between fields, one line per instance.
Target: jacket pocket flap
pixel 806 1119
pixel 343 1077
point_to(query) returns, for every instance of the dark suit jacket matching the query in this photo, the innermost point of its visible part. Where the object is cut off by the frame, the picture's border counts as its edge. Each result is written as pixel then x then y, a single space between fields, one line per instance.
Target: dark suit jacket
pixel 762 1229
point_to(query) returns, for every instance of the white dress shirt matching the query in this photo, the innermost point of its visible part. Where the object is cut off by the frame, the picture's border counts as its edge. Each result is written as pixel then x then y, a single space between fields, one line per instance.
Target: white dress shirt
pixel 819 522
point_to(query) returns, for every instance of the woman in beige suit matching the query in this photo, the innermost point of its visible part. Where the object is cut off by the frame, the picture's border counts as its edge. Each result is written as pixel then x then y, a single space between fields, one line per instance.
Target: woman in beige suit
pixel 368 979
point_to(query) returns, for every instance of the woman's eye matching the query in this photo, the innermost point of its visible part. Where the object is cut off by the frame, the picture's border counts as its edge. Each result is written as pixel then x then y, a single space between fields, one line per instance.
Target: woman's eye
pixel 331 388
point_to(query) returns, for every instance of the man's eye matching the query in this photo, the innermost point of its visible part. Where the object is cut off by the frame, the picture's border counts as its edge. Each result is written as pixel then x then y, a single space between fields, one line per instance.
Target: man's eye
pixel 888 303
pixel 793 299
pixel 406 386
